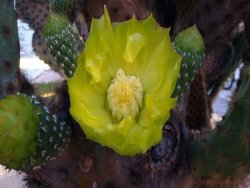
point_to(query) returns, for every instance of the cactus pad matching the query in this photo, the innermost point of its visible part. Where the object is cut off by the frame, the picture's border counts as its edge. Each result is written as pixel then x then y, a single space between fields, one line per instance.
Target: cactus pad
pixel 9 46
pixel 18 131
pixel 33 13
pixel 190 45
pixel 61 41
pixel 41 50
pixel 61 6
pixel 29 134
pixel 52 137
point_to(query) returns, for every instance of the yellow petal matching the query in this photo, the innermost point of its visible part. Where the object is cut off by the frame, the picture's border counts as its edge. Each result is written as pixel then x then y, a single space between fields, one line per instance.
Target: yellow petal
pixel 141 49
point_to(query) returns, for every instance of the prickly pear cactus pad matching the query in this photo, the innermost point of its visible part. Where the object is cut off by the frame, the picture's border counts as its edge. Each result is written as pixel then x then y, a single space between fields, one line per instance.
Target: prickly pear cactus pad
pixel 53 135
pixel 9 45
pixel 189 43
pixel 61 41
pixel 29 134
pixel 18 131
pixel 121 91
pixel 61 6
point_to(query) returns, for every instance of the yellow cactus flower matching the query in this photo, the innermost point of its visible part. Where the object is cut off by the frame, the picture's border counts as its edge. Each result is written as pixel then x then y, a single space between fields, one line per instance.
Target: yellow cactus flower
pixel 121 91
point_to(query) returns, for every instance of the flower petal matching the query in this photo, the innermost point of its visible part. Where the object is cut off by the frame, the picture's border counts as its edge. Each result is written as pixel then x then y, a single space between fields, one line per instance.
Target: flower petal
pixel 87 101
pixel 141 49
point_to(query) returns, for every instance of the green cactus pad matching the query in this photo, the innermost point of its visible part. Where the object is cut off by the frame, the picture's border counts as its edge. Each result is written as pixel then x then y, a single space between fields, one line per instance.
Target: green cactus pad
pixel 190 41
pixel 18 131
pixel 61 41
pixel 190 45
pixel 29 134
pixel 61 6
pixel 53 135
pixel 9 46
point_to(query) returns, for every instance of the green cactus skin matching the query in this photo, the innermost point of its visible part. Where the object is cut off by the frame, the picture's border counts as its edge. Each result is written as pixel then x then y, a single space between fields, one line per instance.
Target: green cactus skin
pixel 53 135
pixel 61 41
pixel 225 151
pixel 29 134
pixel 18 131
pixel 41 50
pixel 62 6
pixel 190 45
pixel 9 45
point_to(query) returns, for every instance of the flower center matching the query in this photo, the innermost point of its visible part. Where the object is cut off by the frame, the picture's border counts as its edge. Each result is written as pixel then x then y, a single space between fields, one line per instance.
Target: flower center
pixel 124 95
